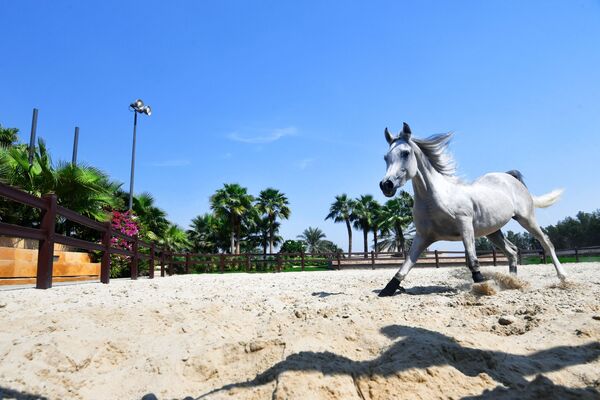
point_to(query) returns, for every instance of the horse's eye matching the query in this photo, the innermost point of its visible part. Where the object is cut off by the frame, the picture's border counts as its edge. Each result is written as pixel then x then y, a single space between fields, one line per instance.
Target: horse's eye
pixel 405 154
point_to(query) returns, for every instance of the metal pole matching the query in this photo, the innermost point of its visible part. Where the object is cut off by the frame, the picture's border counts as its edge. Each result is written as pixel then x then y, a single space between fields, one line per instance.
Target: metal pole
pixel 75 144
pixel 32 138
pixel 132 162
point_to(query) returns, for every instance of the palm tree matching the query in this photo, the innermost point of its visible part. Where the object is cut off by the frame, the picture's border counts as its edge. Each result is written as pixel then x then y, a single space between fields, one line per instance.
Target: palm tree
pixel 151 218
pixel 86 190
pixel 272 203
pixel 395 218
pixel 341 210
pixel 234 203
pixel 313 237
pixel 204 234
pixel 365 217
pixel 8 136
pixel 174 239
pixel 80 188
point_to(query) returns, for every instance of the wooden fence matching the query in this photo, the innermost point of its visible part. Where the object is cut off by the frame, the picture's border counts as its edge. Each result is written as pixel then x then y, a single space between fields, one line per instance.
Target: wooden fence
pixel 177 263
pixel 47 236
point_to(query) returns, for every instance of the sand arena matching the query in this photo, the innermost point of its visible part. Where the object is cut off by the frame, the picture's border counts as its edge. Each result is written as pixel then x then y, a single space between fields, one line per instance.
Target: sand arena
pixel 312 335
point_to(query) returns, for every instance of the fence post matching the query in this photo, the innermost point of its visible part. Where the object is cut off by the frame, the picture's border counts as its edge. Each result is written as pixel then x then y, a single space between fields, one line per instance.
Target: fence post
pixel 494 255
pixel 437 259
pixel 187 263
pixel 247 262
pixel 544 256
pixel 46 246
pixel 105 265
pixel 372 259
pixel 162 263
pixel 171 269
pixel 278 269
pixel 134 261
pixel 576 254
pixel 151 262
pixel 222 262
pixel 338 261
pixel 302 259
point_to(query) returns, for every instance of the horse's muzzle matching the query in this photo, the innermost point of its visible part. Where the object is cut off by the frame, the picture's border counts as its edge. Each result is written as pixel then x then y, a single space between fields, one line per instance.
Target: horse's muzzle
pixel 387 187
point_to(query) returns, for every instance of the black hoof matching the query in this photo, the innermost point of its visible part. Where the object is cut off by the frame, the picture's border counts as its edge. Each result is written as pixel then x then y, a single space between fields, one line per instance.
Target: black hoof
pixel 478 278
pixel 512 269
pixel 390 288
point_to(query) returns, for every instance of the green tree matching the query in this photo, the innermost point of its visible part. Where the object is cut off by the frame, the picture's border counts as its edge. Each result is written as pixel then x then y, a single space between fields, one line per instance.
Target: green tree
pixel 483 244
pixel 234 203
pixel 394 219
pixel 151 219
pixel 8 136
pixel 341 210
pixel 273 204
pixel 208 233
pixel 293 246
pixel 365 217
pixel 581 231
pixel 174 239
pixel 313 238
pixel 81 188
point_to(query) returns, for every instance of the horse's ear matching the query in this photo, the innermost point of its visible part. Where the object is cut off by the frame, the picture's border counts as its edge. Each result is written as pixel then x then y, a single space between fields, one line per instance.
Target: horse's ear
pixel 405 131
pixel 388 136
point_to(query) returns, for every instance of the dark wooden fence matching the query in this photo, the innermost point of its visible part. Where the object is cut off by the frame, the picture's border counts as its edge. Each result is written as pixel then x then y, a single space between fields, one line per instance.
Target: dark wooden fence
pixel 47 236
pixel 183 263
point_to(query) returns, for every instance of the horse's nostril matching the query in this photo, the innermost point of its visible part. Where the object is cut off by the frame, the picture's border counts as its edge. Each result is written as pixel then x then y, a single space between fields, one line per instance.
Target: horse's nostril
pixel 386 185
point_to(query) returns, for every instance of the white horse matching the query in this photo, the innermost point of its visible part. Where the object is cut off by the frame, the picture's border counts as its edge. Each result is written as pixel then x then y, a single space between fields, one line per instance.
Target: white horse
pixel 447 209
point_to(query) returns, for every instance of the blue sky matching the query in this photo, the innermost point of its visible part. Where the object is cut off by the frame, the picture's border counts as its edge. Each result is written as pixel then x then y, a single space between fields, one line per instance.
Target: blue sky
pixel 295 95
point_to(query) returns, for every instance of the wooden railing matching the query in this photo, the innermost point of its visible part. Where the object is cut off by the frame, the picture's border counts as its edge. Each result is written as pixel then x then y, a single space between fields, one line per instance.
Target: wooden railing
pixel 47 236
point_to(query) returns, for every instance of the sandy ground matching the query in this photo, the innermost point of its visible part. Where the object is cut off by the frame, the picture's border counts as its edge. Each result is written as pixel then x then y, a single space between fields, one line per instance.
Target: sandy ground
pixel 312 335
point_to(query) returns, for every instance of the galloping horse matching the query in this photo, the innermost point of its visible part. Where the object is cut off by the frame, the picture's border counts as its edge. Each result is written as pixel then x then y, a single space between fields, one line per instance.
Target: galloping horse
pixel 447 209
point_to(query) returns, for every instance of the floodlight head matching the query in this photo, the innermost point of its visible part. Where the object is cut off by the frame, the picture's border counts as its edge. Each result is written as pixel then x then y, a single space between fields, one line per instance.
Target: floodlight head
pixel 138 104
pixel 147 110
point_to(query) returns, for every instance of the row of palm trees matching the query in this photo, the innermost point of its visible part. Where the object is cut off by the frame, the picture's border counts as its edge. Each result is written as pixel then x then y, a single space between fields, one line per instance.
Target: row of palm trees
pixel 390 223
pixel 239 221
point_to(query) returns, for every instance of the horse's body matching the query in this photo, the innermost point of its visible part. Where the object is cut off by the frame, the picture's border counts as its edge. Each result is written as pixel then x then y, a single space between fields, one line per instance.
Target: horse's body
pixel 447 209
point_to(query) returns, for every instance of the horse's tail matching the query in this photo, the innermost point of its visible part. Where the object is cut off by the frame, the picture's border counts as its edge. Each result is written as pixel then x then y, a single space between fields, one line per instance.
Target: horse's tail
pixel 546 200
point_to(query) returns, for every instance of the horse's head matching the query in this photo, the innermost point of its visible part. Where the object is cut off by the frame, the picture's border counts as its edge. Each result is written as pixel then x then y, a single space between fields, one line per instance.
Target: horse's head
pixel 401 161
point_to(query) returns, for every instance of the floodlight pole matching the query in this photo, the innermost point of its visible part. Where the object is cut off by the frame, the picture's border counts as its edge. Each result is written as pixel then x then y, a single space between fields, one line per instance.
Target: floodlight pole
pixel 32 137
pixel 75 144
pixel 132 161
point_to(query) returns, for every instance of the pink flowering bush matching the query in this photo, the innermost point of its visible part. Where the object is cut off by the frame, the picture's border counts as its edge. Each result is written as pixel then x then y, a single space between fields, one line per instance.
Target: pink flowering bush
pixel 123 222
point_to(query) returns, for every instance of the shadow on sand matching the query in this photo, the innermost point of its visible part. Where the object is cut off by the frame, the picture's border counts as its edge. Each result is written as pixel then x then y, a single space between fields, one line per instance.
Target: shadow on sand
pixel 6 393
pixel 422 348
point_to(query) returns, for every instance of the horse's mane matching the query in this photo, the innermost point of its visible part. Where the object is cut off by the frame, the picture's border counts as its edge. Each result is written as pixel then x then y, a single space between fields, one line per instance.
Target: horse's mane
pixel 435 148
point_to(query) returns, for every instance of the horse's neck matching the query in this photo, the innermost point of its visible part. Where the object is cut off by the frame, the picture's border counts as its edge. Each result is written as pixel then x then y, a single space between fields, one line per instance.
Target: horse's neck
pixel 428 183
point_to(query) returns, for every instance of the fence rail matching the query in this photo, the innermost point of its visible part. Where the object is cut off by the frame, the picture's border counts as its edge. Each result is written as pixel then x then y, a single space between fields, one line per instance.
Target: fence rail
pixel 175 263
pixel 47 236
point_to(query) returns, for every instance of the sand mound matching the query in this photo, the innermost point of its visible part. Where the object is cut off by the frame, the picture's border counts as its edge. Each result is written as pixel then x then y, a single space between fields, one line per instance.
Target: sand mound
pixel 312 335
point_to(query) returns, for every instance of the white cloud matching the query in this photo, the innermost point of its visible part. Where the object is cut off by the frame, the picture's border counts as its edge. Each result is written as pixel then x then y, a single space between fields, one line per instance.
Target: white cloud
pixel 263 137
pixel 171 163
pixel 304 163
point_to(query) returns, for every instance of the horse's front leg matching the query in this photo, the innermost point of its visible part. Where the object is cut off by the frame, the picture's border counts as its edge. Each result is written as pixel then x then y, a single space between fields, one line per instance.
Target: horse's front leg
pixel 418 245
pixel 468 235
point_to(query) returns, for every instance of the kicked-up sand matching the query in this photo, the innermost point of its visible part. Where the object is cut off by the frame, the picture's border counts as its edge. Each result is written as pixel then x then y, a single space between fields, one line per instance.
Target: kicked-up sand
pixel 311 335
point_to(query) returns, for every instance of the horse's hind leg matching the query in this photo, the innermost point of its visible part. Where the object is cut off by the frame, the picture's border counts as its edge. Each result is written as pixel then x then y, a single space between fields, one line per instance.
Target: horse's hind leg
pixel 532 227
pixel 509 249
